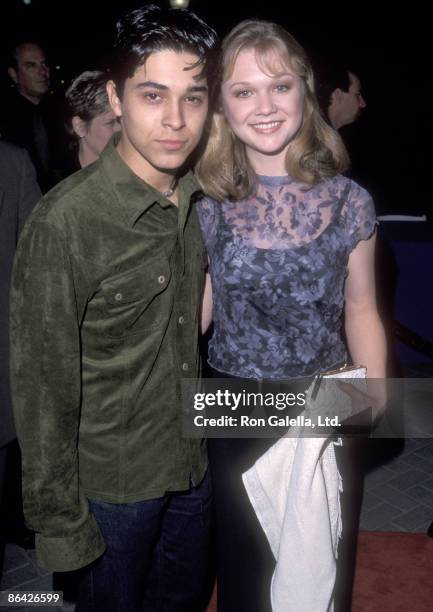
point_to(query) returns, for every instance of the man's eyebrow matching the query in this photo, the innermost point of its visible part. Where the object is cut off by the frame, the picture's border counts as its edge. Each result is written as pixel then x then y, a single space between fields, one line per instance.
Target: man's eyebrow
pixel 161 87
pixel 152 84
pixel 197 88
pixel 35 61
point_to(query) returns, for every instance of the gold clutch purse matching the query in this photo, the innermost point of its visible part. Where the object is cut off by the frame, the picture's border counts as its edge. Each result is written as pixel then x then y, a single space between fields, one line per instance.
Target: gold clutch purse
pixel 345 371
pixel 324 397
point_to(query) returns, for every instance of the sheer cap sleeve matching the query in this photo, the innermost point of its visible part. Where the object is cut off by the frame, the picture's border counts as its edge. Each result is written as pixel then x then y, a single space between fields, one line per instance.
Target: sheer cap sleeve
pixel 208 218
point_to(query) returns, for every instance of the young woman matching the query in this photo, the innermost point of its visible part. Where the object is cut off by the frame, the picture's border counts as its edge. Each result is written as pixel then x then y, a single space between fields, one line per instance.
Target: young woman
pixel 290 243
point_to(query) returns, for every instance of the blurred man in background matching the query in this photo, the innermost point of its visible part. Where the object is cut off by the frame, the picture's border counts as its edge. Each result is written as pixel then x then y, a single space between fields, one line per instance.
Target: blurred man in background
pixel 29 119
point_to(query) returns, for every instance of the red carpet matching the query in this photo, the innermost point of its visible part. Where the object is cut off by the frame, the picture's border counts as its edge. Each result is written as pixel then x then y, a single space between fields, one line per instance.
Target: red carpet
pixel 394 573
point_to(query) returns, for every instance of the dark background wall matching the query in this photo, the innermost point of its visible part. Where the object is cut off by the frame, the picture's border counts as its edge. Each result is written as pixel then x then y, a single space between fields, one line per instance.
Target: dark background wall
pixel 388 43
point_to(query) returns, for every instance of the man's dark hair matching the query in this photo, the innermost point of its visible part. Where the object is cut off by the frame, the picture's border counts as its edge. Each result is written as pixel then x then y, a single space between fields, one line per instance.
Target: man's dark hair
pixel 152 28
pixel 328 79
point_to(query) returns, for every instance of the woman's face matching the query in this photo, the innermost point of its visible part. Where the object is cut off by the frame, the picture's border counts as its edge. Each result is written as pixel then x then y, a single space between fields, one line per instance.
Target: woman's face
pixel 98 132
pixel 264 110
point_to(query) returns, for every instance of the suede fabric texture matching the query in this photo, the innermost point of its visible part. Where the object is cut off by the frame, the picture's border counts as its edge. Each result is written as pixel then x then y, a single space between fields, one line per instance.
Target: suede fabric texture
pixel 106 295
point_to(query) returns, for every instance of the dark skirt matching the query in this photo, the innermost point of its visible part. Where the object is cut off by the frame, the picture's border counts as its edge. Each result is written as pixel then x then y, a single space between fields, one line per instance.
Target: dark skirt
pixel 245 563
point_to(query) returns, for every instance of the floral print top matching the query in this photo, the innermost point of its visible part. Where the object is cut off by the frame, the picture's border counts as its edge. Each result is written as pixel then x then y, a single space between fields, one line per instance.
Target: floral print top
pixel 278 263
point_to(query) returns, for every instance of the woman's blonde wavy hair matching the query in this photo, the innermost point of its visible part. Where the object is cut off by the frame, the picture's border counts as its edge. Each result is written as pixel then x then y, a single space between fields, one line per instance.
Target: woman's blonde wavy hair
pixel 315 153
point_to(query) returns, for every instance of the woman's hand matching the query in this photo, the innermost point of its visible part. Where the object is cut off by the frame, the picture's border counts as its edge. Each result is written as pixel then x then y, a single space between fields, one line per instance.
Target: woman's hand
pixel 375 399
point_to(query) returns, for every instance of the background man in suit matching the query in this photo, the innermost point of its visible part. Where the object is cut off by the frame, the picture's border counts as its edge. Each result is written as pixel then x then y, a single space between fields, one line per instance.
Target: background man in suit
pixel 340 95
pixel 19 192
pixel 30 118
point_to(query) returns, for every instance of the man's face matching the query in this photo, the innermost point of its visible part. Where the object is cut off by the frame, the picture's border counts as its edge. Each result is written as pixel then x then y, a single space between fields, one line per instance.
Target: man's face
pixel 163 111
pixel 32 75
pixel 352 101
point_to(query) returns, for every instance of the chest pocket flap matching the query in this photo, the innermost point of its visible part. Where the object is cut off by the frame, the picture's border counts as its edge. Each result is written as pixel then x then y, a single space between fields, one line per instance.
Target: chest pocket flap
pixel 137 300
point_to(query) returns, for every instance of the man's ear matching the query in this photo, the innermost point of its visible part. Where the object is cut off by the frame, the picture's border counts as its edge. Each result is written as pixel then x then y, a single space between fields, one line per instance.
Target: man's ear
pixel 79 126
pixel 114 99
pixel 13 75
pixel 336 95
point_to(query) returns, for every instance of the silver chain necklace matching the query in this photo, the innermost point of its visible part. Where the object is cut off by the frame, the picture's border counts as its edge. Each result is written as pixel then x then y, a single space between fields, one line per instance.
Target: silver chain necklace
pixel 170 192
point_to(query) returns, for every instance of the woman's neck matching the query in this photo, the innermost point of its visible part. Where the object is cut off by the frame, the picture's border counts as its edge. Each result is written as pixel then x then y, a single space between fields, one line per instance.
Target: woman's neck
pixel 268 165
pixel 86 156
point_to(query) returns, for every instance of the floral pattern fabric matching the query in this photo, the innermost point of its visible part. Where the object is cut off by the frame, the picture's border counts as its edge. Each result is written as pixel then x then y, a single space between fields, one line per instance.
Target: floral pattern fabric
pixel 278 263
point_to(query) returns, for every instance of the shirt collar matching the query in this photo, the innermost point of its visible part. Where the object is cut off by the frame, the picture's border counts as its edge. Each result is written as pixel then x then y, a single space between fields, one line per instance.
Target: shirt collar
pixel 133 194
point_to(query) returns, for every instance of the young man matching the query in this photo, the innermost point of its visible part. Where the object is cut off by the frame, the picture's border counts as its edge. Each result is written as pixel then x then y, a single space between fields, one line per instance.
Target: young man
pixel 106 296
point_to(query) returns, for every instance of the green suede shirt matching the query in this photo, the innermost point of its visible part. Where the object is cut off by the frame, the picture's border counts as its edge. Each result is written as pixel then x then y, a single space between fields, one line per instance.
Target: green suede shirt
pixel 106 295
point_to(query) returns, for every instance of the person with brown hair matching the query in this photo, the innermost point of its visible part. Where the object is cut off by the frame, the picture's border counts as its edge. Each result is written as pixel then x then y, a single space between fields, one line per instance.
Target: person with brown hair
pixel 90 120
pixel 290 243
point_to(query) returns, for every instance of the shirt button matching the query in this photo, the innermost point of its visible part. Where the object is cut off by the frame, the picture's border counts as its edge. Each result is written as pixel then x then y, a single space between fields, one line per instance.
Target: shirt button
pixel 181 320
pixel 185 367
pixel 118 297
pixel 161 279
